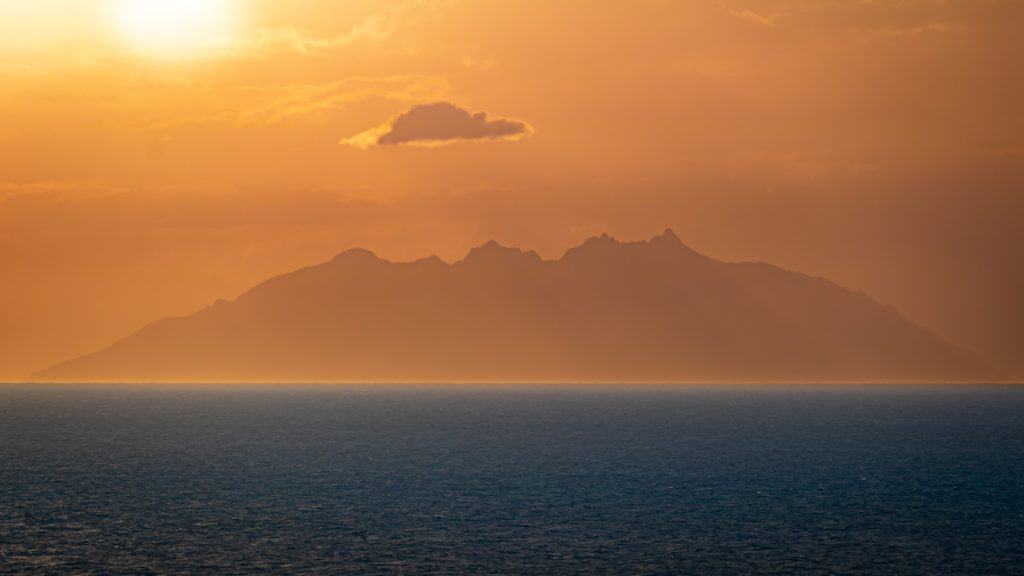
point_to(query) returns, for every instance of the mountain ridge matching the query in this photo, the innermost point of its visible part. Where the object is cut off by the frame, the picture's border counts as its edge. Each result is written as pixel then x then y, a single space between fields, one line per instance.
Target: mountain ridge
pixel 649 310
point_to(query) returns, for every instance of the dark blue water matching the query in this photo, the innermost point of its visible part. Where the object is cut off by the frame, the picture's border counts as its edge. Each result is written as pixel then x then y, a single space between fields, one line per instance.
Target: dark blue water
pixel 507 480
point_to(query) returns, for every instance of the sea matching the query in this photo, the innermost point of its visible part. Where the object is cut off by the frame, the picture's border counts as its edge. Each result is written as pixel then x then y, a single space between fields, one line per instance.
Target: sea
pixel 512 479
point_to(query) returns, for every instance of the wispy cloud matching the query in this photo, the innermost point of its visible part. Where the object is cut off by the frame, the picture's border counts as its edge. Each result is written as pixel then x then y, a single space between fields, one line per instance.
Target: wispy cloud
pixel 281 102
pixel 913 30
pixel 266 41
pixel 753 17
pixel 265 105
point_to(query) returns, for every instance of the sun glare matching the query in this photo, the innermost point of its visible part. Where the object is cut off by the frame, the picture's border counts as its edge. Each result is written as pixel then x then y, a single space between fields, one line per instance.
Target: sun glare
pixel 173 27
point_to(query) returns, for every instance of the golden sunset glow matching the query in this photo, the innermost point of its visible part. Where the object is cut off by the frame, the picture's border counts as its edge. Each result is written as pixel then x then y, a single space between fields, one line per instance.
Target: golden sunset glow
pixel 173 27
pixel 156 155
pixel 511 286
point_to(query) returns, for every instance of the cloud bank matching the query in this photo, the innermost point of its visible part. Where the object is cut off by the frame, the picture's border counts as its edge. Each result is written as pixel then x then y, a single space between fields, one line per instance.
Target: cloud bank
pixel 437 124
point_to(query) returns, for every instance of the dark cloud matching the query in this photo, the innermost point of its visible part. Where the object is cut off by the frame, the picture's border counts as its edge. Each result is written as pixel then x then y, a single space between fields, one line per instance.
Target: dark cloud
pixel 437 124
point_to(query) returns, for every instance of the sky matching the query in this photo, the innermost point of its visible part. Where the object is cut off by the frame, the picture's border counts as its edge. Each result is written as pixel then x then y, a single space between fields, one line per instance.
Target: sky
pixel 156 156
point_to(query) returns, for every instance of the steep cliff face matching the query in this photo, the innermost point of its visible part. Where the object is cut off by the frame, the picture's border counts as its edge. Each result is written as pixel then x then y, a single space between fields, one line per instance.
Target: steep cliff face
pixel 606 310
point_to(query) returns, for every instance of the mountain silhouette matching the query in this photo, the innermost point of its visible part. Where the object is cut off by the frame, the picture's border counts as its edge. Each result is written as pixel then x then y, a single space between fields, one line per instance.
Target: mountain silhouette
pixel 605 311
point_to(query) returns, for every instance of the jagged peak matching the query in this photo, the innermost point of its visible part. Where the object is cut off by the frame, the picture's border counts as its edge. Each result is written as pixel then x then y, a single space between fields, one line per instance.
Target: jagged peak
pixel 593 243
pixel 357 254
pixel 432 260
pixel 668 237
pixel 667 241
pixel 604 239
pixel 492 250
pixel 218 304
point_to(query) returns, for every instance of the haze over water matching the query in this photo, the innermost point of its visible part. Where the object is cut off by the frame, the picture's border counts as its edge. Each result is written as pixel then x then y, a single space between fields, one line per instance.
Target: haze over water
pixel 293 192
pixel 511 479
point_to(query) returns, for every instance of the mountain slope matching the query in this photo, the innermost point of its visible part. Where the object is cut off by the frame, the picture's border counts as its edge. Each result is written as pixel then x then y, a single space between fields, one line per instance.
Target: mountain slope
pixel 606 310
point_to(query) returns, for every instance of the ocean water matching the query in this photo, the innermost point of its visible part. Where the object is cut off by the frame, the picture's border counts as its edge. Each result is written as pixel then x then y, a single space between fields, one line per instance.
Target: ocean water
pixel 511 480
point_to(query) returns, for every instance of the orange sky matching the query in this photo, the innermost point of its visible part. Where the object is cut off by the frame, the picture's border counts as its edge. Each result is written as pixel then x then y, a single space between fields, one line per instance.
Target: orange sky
pixel 147 170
